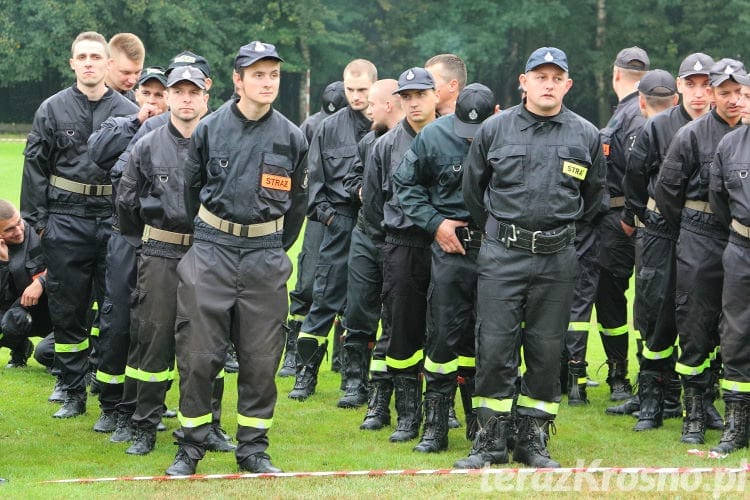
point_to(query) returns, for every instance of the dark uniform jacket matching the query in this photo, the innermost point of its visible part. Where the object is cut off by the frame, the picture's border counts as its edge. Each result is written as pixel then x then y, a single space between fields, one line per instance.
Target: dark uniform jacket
pixel 353 183
pixel 247 172
pixel 685 172
pixel 646 158
pixel 730 178
pixel 24 262
pixel 428 181
pixel 386 156
pixel 311 124
pixel 539 174
pixel 57 145
pixel 152 189
pixel 332 153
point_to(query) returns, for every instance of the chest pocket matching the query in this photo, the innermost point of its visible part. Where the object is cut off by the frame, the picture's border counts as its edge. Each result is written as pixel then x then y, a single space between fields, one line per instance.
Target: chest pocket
pixel 574 164
pixel 338 160
pixel 67 135
pixel 218 165
pixel 507 164
pixel 738 178
pixel 451 172
pixel 704 175
pixel 275 181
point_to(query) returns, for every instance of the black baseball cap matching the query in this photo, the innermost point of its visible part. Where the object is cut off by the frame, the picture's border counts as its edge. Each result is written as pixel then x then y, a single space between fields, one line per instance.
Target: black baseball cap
pixel 657 83
pixel 334 97
pixel 475 104
pixel 415 78
pixel 547 55
pixel 253 52
pixel 724 69
pixel 697 63
pixel 634 58
pixel 187 74
pixel 188 58
pixel 153 73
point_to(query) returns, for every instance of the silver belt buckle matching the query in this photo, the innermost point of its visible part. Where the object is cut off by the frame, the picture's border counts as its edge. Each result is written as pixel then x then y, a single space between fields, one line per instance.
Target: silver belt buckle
pixel 511 238
pixel 533 240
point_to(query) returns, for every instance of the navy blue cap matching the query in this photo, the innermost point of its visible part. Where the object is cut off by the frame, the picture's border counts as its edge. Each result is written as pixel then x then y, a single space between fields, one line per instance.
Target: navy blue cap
pixel 187 74
pixel 547 55
pixel 475 104
pixel 334 97
pixel 415 78
pixel 634 58
pixel 153 73
pixel 188 58
pixel 697 63
pixel 253 52
pixel 657 83
pixel 724 69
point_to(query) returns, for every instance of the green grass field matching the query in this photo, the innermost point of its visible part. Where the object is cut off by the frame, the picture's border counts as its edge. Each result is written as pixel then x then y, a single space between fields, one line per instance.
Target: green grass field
pixel 317 436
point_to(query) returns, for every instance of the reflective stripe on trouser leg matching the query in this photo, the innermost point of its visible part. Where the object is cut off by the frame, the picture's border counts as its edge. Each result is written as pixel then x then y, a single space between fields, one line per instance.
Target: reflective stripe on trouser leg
pixel 587 253
pixel 735 330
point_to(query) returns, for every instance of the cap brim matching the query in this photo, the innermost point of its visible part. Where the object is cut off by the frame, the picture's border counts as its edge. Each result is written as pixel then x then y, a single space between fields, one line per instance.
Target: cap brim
pixel 718 80
pixel 743 80
pixel 413 86
pixel 692 73
pixel 465 130
pixel 250 61
pixel 564 68
pixel 159 79
pixel 201 85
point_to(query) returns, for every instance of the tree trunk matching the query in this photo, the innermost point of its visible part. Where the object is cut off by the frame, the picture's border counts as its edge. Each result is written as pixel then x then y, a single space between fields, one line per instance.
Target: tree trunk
pixel 304 88
pixel 602 89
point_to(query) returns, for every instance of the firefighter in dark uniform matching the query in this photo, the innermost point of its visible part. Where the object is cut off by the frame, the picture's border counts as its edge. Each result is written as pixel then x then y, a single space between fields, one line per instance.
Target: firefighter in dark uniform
pixel 428 184
pixel 332 152
pixel 729 196
pixel 406 254
pixel 616 247
pixel 67 199
pixel 681 195
pixel 244 179
pixel 23 304
pixel 300 299
pixel 150 205
pixel 105 145
pixel 532 172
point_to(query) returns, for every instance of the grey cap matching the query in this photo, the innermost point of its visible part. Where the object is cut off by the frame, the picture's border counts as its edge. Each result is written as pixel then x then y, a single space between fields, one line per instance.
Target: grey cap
pixel 188 58
pixel 187 74
pixel 547 55
pixel 415 78
pixel 475 104
pixel 724 69
pixel 657 83
pixel 697 63
pixel 634 58
pixel 153 73
pixel 334 97
pixel 253 52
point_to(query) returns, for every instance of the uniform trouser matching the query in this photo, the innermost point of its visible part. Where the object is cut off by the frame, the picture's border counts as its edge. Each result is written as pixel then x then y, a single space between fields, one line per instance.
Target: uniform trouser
pixel 114 321
pixel 154 311
pixel 451 299
pixel 654 298
pixel 735 323
pixel 329 290
pixel 523 301
pixel 364 285
pixel 300 299
pixel 698 303
pixel 587 252
pixel 229 294
pixel 44 353
pixel 406 276
pixel 75 250
pixel 616 259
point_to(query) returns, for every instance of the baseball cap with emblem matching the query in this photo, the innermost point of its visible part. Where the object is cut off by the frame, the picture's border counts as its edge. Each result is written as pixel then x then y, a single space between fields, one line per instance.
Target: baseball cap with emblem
pixel 724 69
pixel 657 83
pixel 187 74
pixel 153 73
pixel 475 104
pixel 189 59
pixel 697 63
pixel 253 52
pixel 547 55
pixel 633 58
pixel 415 79
pixel 334 97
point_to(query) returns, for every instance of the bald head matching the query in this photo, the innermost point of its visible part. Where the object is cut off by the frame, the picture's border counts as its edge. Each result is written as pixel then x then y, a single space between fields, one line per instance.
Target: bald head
pixel 384 107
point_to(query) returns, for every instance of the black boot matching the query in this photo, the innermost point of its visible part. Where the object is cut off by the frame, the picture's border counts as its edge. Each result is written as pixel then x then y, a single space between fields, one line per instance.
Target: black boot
pixel 336 352
pixel 435 433
pixel 215 441
pixel 144 440
pixel 259 463
pixel 292 330
pixel 673 397
pixel 713 417
pixel 107 422
pixel 74 405
pixel 20 354
pixel 124 429
pixel 694 424
pixel 231 365
pixel 466 388
pixel 531 442
pixel 651 394
pixel 628 407
pixel 183 465
pixel 453 422
pixel 577 384
pixel 490 444
pixel 378 412
pixel 58 393
pixel 619 385
pixel 355 372
pixel 408 389
pixel 735 434
pixel 309 357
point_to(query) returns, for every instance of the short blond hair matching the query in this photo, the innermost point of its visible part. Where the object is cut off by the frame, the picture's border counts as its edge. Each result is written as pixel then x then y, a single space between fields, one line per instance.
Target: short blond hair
pixel 91 36
pixel 129 45
pixel 359 67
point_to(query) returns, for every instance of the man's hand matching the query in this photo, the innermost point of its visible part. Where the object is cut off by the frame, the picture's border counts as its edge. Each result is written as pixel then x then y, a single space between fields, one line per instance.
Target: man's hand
pixel 446 236
pixel 3 251
pixel 32 293
pixel 146 112
pixel 627 229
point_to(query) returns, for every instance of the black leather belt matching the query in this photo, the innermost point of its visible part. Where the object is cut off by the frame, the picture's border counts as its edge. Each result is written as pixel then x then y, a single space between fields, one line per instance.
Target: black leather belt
pixel 541 242
pixel 469 238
